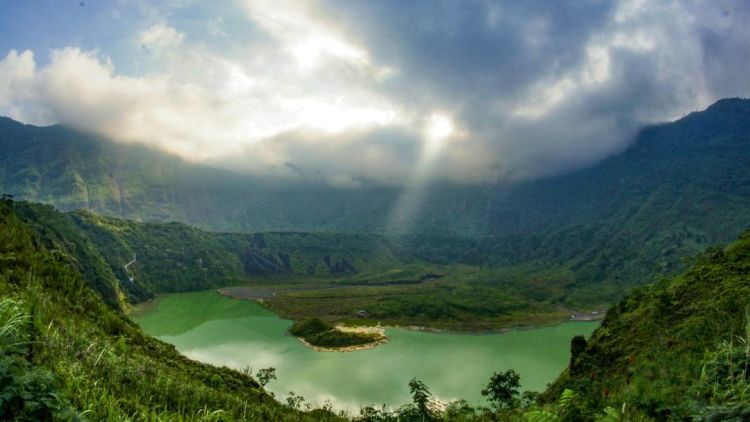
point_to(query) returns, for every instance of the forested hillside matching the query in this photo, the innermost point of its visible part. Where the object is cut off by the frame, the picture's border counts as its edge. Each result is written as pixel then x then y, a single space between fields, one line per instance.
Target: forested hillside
pixel 449 282
pixel 674 350
pixel 174 257
pixel 66 355
pixel 628 220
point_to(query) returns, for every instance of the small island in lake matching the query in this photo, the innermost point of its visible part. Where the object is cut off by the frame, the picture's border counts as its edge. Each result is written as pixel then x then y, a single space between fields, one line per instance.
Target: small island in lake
pixel 324 336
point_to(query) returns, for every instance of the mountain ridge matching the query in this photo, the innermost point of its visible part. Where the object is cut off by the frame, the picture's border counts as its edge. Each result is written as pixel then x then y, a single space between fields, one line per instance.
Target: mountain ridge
pixel 630 219
pixel 484 204
pixel 139 182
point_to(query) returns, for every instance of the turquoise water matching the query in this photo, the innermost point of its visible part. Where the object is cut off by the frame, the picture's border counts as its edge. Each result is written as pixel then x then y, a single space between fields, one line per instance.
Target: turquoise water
pixel 212 328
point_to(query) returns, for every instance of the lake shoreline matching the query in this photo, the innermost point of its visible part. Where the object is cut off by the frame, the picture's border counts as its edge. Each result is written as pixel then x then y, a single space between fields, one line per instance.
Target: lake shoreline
pixel 575 316
pixel 217 330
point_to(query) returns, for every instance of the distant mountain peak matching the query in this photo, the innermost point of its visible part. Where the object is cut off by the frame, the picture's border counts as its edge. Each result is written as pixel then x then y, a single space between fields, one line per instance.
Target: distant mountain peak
pixel 734 105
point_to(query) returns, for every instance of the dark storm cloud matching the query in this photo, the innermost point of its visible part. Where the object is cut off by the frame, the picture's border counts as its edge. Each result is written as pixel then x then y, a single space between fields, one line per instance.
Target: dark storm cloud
pixel 472 48
pixel 487 60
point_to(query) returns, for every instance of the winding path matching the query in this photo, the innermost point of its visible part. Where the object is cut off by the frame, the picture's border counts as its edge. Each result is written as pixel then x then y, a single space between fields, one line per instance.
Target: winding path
pixel 130 275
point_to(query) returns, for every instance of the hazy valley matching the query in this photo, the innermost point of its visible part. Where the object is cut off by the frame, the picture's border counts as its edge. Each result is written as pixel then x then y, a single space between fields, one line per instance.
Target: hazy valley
pixel 547 265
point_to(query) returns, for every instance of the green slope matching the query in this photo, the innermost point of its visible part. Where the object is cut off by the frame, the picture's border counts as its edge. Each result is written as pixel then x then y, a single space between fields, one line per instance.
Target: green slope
pixel 442 282
pixel 66 355
pixel 677 349
pixel 315 274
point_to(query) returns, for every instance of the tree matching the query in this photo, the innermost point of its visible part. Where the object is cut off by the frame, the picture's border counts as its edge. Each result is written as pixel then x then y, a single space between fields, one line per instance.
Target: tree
pixel 265 375
pixel 502 390
pixel 294 401
pixel 421 397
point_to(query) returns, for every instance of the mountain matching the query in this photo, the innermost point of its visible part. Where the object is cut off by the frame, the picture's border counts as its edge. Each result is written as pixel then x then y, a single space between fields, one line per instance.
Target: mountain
pixel 632 218
pixel 581 238
pixel 75 170
pixel 174 257
pixel 685 169
pixel 675 350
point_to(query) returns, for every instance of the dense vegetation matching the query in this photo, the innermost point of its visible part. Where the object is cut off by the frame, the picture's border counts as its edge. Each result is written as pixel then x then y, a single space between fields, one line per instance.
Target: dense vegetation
pixel 66 355
pixel 315 274
pixel 677 349
pixel 310 327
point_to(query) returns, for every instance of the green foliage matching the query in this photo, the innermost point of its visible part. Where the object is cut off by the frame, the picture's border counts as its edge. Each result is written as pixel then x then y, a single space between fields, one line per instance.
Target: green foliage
pixel 310 327
pixel 66 354
pixel 724 389
pixel 650 351
pixel 503 389
pixel 27 393
pixel 13 320
pixel 265 375
pixel 459 410
pixel 422 406
pixel 295 401
pixel 420 396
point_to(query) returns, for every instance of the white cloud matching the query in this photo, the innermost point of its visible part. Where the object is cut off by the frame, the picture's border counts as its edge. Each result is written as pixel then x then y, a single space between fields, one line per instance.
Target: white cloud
pixel 16 75
pixel 160 37
pixel 219 108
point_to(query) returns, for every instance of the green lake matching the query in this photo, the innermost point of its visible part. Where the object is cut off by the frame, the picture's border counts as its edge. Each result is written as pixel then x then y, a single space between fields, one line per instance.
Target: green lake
pixel 208 327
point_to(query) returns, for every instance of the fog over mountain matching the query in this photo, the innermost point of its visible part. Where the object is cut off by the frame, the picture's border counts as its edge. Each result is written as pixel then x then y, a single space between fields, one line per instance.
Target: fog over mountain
pixel 390 92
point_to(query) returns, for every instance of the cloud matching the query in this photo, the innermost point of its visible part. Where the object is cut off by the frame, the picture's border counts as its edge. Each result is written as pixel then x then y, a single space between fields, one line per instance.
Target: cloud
pixel 202 108
pixel 159 37
pixel 349 92
pixel 546 87
pixel 16 74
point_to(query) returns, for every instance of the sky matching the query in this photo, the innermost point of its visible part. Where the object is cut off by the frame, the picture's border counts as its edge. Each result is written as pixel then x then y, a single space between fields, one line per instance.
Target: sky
pixel 354 92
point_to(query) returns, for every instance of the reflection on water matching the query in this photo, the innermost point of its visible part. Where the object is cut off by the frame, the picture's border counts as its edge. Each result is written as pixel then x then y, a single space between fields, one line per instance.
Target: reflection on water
pixel 211 328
